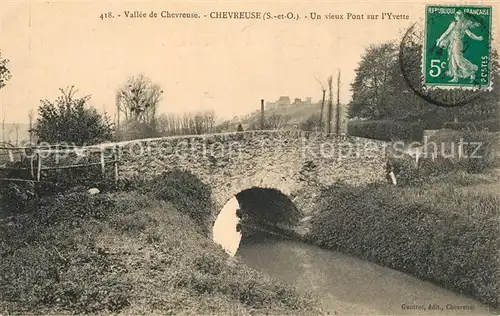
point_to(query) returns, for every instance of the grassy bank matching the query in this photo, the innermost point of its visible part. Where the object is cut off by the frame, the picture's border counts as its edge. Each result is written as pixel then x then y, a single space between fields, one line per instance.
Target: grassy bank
pixel 436 232
pixel 130 253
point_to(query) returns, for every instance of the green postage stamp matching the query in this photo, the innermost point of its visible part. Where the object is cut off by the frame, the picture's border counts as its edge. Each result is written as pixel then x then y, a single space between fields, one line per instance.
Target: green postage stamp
pixel 457 47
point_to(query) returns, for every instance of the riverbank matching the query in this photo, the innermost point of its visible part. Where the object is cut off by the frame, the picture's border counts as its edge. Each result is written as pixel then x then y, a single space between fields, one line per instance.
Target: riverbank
pixel 130 253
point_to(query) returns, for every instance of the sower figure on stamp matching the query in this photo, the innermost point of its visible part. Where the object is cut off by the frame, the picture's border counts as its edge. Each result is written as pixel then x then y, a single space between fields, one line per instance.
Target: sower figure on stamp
pixel 458 65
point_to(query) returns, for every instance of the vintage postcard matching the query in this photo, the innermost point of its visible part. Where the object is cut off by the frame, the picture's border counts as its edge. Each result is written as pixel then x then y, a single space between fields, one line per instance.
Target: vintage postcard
pixel 250 157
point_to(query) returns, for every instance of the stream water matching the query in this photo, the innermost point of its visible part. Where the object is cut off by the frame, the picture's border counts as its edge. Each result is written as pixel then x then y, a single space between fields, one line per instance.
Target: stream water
pixel 348 285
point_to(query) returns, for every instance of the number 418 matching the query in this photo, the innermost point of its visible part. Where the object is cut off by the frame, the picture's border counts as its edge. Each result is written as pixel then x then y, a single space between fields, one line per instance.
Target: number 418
pixel 107 15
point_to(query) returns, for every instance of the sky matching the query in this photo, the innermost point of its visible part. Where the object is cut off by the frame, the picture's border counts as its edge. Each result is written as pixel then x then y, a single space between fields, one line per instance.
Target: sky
pixel 202 64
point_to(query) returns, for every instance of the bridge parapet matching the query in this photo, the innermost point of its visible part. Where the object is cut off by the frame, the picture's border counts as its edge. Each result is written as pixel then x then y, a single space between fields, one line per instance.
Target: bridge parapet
pixel 297 163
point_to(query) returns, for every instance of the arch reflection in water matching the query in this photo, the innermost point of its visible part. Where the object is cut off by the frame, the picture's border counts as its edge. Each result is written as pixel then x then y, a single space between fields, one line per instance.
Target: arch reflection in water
pixel 224 230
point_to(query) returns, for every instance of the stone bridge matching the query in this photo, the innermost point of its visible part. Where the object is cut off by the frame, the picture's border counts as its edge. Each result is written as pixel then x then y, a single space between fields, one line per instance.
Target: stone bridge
pixel 295 162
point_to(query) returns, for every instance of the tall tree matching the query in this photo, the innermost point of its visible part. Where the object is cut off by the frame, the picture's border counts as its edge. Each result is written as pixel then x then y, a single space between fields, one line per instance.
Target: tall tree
pixel 330 105
pixel 337 109
pixel 138 99
pixel 323 91
pixel 380 91
pixel 70 119
pixel 371 88
pixel 487 104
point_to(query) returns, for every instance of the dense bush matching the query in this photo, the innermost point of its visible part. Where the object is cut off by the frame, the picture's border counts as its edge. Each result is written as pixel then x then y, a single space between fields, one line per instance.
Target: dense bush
pixel 492 125
pixel 5 74
pixel 409 173
pixel 46 264
pixel 386 130
pixel 70 120
pixel 22 197
pixel 479 150
pixel 18 197
pixel 60 181
pixel 14 197
pixel 446 236
pixel 312 123
pixel 187 193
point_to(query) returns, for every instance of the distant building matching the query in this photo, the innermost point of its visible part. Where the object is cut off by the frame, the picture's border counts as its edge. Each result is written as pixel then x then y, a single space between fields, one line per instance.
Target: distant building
pixel 283 101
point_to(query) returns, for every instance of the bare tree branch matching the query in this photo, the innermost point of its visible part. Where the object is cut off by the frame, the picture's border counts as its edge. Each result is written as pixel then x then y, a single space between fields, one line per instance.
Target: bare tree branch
pixel 138 99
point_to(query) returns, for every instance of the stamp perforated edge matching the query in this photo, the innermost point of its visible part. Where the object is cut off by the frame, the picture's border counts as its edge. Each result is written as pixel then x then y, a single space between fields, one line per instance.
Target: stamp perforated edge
pixel 493 33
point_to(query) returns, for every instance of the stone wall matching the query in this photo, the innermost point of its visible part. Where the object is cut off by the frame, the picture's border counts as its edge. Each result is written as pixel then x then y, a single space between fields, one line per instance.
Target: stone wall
pixel 295 162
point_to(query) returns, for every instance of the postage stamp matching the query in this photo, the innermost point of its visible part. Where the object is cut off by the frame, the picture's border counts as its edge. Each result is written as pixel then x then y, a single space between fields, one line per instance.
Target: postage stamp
pixel 457 47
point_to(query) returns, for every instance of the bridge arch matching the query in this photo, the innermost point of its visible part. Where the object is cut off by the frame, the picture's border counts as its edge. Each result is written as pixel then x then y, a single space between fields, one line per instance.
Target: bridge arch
pixel 296 163
pixel 253 213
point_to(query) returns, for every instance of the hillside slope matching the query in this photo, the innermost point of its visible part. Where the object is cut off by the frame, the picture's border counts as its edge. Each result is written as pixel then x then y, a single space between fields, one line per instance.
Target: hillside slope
pixel 126 253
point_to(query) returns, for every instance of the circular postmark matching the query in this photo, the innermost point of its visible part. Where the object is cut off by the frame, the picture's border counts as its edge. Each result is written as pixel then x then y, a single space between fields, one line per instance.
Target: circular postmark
pixel 412 61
